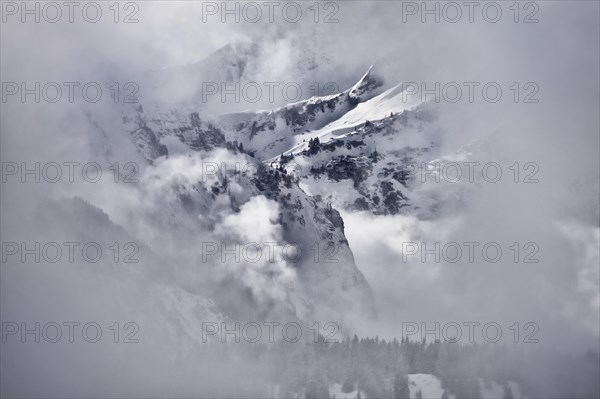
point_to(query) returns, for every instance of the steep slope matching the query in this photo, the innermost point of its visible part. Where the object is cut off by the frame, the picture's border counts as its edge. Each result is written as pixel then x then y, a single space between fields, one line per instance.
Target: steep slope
pixel 319 282
pixel 391 101
pixel 270 133
pixel 367 159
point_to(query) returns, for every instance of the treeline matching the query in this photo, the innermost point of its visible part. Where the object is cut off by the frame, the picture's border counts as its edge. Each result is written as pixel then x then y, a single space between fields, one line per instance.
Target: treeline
pixel 379 368
pixel 376 367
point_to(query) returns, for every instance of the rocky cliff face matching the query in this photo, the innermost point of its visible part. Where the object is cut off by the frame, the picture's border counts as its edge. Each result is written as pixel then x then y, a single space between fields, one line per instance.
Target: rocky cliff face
pixel 365 170
pixel 325 283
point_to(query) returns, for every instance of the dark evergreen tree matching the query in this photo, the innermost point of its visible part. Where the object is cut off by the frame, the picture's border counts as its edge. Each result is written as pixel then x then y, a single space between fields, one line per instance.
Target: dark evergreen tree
pixel 401 390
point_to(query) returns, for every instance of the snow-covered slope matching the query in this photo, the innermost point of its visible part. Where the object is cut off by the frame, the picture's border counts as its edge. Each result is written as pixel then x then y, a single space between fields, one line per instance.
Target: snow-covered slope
pixel 429 386
pixel 390 102
pixel 371 167
pixel 273 132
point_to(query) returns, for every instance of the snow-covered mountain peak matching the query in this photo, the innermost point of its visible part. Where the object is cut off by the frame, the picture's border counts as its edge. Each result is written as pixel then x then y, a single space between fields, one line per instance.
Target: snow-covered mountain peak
pixel 369 82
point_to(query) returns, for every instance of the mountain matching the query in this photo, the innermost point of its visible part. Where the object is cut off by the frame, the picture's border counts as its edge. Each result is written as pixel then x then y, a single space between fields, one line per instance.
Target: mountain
pixel 357 149
pixel 269 133
pixel 203 86
pixel 299 162
pixel 326 284
pixel 361 149
pixel 182 85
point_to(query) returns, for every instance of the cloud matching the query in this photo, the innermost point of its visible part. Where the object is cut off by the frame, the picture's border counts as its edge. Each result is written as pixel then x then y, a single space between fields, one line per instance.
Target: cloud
pixel 560 213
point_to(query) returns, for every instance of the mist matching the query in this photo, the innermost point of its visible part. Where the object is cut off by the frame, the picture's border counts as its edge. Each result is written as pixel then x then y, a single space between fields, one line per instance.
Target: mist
pixel 163 212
